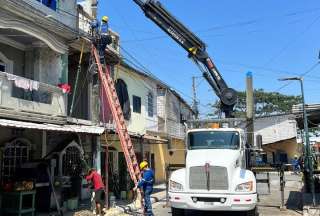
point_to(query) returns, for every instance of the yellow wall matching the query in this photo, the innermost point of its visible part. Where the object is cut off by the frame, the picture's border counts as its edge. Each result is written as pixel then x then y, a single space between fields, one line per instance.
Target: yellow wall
pixel 163 158
pixel 291 147
pixel 160 151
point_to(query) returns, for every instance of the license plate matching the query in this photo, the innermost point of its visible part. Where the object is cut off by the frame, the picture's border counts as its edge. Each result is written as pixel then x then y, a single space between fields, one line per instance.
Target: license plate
pixel 209 203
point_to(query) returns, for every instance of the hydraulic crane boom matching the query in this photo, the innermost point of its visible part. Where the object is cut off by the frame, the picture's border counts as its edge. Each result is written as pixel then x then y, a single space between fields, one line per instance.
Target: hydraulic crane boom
pixel 195 48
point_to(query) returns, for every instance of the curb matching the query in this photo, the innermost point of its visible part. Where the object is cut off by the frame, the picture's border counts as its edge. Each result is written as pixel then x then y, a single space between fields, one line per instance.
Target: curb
pixel 308 208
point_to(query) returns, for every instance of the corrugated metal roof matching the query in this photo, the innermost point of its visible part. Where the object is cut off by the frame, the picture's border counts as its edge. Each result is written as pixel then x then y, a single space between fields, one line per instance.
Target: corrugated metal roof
pixel 52 127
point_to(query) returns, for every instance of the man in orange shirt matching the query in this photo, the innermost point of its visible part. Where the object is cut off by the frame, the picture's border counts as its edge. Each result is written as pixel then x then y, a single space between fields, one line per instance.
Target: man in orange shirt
pixel 96 179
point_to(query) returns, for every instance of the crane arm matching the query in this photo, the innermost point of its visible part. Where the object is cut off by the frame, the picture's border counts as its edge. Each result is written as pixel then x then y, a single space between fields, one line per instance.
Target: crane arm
pixel 196 50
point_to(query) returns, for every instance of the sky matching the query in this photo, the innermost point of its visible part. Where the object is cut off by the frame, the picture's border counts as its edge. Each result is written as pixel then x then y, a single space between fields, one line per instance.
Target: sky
pixel 271 38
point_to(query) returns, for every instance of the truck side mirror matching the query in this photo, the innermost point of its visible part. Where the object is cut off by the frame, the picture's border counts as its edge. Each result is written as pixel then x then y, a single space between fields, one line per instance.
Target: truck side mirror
pixel 259 141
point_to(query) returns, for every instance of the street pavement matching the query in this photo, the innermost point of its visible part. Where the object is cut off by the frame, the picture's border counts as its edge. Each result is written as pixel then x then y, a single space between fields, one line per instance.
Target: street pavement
pixel 269 204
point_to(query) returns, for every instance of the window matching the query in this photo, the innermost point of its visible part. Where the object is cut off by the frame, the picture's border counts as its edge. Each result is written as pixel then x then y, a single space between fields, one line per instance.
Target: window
pixel 150 104
pixel 2 67
pixel 136 104
pixel 49 3
pixel 214 140
pixel 123 96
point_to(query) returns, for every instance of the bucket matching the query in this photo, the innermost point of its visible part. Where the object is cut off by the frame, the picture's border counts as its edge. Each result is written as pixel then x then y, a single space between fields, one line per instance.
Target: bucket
pixel 112 200
pixel 123 195
pixel 72 204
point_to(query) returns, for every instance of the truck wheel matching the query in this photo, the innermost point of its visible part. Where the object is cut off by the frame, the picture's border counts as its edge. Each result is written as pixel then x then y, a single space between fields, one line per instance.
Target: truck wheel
pixel 252 212
pixel 177 212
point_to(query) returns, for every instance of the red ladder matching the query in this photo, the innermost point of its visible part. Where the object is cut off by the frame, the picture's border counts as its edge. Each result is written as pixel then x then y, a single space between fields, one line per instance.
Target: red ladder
pixel 121 128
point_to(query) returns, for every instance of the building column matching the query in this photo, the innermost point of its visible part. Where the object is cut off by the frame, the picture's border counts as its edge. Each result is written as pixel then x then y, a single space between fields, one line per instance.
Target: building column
pixel 44 144
pixel 97 154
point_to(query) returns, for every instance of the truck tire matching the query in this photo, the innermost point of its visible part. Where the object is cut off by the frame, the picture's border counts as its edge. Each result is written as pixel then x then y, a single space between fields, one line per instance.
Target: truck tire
pixel 252 212
pixel 177 212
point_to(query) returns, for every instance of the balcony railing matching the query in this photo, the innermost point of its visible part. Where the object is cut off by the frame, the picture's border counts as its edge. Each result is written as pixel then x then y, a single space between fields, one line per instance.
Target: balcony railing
pixel 60 11
pixel 28 96
pixel 84 26
pixel 171 128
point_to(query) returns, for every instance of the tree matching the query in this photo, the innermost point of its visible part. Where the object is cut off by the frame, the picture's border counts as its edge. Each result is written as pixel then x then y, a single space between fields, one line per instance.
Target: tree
pixel 266 103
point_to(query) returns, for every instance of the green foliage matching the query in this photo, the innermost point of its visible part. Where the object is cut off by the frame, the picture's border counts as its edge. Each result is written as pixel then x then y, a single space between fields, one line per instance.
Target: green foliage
pixel 266 103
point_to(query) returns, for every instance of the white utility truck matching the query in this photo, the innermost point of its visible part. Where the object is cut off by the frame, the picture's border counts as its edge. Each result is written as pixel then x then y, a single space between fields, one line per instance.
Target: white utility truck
pixel 215 177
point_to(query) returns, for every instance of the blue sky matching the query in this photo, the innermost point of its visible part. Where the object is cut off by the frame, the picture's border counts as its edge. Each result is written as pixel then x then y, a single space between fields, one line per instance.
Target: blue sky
pixel 272 39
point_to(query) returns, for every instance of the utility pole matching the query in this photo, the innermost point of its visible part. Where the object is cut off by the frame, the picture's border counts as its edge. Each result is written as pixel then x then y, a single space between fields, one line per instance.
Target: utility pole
pixel 250 109
pixel 308 167
pixel 194 98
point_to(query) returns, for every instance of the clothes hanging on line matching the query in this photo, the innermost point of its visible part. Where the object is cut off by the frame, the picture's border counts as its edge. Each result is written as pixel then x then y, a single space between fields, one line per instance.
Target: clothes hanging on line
pixel 24 83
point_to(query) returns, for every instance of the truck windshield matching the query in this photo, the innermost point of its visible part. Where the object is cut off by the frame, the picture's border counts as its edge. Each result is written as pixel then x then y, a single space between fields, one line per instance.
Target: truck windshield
pixel 213 140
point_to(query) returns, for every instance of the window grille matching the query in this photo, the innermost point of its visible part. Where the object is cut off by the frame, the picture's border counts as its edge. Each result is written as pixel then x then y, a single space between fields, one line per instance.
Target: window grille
pixel 15 153
pixel 150 104
pixel 72 161
pixel 136 104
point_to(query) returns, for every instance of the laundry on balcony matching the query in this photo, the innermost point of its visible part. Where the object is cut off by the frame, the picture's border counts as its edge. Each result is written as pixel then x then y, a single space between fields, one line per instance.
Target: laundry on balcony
pixel 66 88
pixel 24 83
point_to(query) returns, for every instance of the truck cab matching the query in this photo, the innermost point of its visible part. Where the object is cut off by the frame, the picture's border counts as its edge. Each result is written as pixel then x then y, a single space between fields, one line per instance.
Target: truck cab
pixel 215 177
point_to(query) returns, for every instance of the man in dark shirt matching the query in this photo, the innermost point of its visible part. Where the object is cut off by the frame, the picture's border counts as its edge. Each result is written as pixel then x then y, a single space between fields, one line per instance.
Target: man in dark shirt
pixel 98 186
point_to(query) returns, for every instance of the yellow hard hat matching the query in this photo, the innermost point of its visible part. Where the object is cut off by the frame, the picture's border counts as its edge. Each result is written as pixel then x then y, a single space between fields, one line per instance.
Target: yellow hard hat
pixel 143 164
pixel 105 19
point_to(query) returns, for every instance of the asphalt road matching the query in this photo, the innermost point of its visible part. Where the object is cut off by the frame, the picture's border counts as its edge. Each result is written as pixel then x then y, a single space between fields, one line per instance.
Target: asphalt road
pixel 160 209
pixel 268 205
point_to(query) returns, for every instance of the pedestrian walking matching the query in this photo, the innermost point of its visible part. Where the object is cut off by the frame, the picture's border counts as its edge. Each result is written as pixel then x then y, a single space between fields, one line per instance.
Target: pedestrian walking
pixel 98 186
pixel 146 184
pixel 296 165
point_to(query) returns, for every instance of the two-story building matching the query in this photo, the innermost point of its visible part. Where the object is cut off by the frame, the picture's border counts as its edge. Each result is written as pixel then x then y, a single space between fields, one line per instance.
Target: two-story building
pixel 41 140
pixel 154 115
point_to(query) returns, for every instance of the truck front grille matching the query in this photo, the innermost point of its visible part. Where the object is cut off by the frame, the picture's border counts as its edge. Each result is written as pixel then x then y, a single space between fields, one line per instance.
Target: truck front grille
pixel 218 178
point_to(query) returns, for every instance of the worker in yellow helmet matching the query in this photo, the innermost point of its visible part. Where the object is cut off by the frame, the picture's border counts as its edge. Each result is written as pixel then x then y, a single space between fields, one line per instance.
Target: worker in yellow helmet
pixel 146 183
pixel 101 37
pixel 104 26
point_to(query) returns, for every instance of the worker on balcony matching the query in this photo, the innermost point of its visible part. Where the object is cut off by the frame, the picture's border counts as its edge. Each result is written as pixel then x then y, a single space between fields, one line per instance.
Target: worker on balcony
pixel 104 26
pixel 98 186
pixel 146 183
pixel 101 36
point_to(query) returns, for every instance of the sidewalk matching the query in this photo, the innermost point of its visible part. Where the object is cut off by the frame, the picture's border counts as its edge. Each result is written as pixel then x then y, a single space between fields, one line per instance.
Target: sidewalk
pixel 269 204
pixel 122 206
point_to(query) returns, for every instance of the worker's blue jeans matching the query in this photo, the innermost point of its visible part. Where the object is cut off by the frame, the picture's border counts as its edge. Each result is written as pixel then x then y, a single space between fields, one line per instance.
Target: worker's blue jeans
pixel 147 201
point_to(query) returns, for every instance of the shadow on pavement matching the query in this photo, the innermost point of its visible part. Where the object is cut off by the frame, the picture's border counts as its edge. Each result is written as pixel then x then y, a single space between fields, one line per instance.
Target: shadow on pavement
pixel 294 200
pixel 212 213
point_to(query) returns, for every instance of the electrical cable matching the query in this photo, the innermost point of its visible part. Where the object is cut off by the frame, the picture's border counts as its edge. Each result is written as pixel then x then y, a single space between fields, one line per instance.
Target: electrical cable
pixel 230 25
pixel 287 45
pixel 283 86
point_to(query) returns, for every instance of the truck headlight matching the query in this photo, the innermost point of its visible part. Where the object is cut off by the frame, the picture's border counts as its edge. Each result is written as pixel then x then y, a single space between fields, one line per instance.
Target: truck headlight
pixel 245 187
pixel 175 186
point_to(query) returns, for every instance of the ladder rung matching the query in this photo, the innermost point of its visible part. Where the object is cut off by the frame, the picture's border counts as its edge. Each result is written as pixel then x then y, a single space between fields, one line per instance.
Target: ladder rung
pixel 111 92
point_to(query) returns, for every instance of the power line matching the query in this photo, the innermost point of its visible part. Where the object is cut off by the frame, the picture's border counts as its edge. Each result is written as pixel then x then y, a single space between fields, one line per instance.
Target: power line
pixel 229 25
pixel 286 46
pixel 287 84
pixel 301 75
pixel 148 72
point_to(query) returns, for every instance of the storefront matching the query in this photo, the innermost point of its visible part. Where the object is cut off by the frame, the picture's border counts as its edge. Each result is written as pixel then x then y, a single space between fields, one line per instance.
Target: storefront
pixel 43 164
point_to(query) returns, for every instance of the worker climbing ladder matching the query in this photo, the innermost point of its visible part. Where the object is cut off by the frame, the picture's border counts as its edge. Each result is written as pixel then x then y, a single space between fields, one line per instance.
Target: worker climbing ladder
pixel 121 128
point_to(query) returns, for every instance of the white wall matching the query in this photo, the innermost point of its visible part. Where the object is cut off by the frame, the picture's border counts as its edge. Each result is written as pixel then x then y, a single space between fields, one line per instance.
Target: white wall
pixel 139 86
pixel 275 128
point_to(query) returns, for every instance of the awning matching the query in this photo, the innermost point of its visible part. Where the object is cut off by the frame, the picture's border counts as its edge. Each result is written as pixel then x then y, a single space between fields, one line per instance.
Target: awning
pixel 155 139
pixel 52 127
